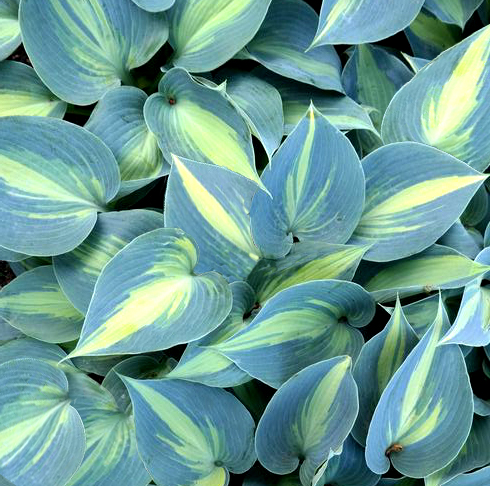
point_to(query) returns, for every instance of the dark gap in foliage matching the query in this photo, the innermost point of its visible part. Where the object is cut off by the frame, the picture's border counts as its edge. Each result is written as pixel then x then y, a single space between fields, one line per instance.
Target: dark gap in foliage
pixel 6 274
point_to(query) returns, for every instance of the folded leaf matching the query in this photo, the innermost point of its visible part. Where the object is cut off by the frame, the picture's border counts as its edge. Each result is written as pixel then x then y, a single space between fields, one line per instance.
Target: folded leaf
pixel 9 27
pixel 147 298
pixel 190 434
pixel 52 184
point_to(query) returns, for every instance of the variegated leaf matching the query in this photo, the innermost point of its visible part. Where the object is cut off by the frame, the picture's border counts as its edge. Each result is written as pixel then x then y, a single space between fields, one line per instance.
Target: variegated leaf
pixel 453 11
pixel 9 27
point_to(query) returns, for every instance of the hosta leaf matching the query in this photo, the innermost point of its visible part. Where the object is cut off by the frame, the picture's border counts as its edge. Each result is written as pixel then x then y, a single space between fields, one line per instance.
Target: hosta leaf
pixel 29 263
pixel 97 365
pixel 477 209
pixel 438 267
pixel 9 27
pixel 473 479
pixel 78 270
pixel 207 33
pixel 147 298
pixel 424 415
pixel 23 93
pixel 41 435
pixel 93 44
pixel 154 5
pixel 482 407
pixel 190 434
pixel 361 21
pixel 35 304
pixel 380 357
pixel 416 63
pixel 428 36
pixel 453 11
pixel 471 326
pixel 52 184
pixel 401 482
pixel 203 364
pixel 349 467
pixel 283 39
pixel 11 256
pixel 441 106
pixel 308 419
pixel 412 203
pixel 463 240
pixel 307 178
pixel 306 261
pixel 111 457
pixel 300 326
pixel 197 122
pixel 212 205
pixel 261 105
pixel 474 454
pixel 8 333
pixel 119 122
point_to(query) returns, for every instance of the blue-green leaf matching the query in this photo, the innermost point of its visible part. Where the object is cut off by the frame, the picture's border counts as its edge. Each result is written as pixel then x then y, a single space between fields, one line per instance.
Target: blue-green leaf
pixel 147 298
pixel 11 256
pixel 467 241
pixel 416 63
pixel 300 326
pixel 92 46
pixel 9 27
pixel 453 11
pixel 308 419
pixel 477 478
pixel 154 5
pixel 190 434
pixel 424 415
pixel 52 184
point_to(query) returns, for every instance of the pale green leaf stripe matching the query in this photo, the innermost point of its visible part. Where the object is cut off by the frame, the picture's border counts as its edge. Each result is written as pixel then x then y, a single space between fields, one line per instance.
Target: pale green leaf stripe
pixel 261 105
pixel 349 467
pixel 23 93
pixel 305 262
pixel 52 184
pixel 473 479
pixel 190 434
pixel 361 21
pixel 207 33
pixel 300 326
pixel 35 304
pixel 203 364
pixel 77 271
pixel 154 5
pixel 283 39
pixel 91 46
pixel 474 454
pixel 428 36
pixel 119 122
pixel 411 204
pixel 42 439
pixel 308 419
pixel 425 413
pixel 442 105
pixel 453 11
pixel 212 205
pixel 438 267
pixel 197 122
pixel 307 179
pixel 111 457
pixel 147 298
pixel 380 357
pixel 9 28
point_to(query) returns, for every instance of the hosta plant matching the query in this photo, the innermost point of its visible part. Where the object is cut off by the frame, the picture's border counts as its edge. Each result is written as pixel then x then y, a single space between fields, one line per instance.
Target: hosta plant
pixel 250 241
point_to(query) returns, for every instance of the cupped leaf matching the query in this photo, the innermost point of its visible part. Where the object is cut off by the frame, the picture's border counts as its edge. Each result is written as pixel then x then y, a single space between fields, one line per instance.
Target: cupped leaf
pixel 300 326
pixel 305 262
pixel 23 93
pixel 111 457
pixel 425 413
pixel 308 419
pixel 207 33
pixel 154 5
pixel 361 21
pixel 9 27
pixel 190 434
pixel 203 364
pixel 438 267
pixel 119 122
pixel 54 178
pixel 42 439
pixel 197 122
pixel 282 41
pixel 442 105
pixel 78 270
pixel 147 298
pixel 308 178
pixel 212 205
pixel 380 357
pixel 92 46
pixel 35 304
pixel 413 202
pixel 453 11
